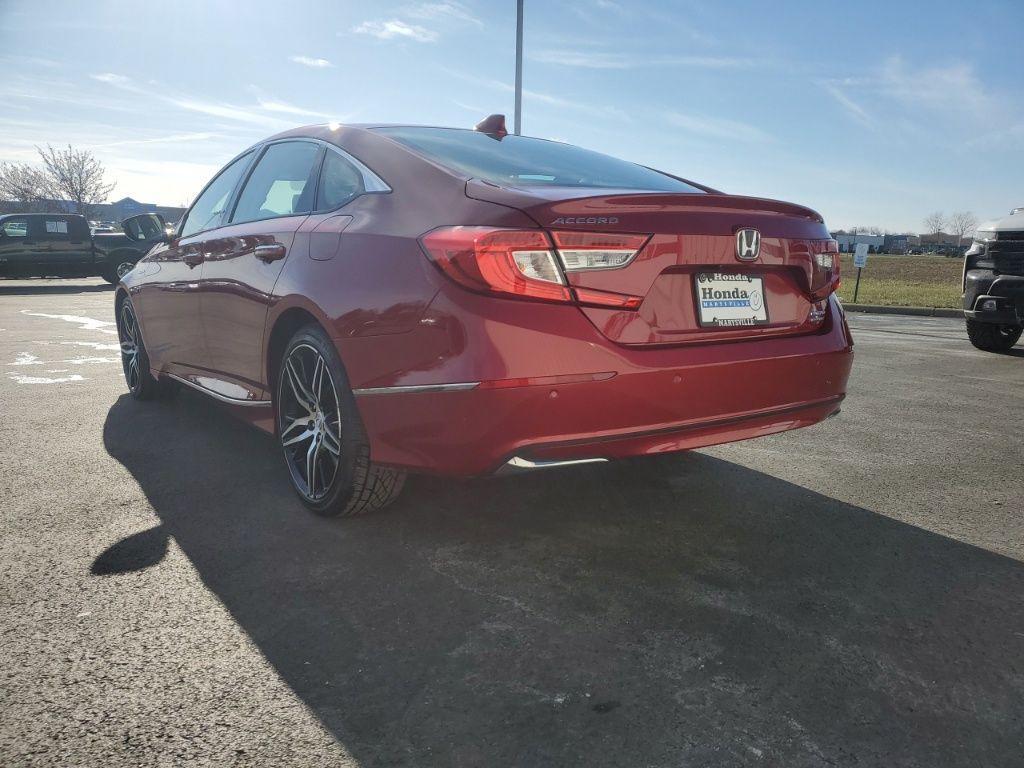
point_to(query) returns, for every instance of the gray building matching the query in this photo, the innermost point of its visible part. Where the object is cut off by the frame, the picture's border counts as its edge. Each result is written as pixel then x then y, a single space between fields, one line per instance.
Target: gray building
pixel 117 211
pixel 848 243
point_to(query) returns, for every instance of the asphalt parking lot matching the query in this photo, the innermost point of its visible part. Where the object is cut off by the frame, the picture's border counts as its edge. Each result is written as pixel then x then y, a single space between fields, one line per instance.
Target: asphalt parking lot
pixel 850 594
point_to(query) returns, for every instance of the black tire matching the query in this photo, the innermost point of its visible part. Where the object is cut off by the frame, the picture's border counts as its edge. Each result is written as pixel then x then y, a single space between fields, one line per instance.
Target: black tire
pixel 114 273
pixel 321 434
pixel 134 360
pixel 991 337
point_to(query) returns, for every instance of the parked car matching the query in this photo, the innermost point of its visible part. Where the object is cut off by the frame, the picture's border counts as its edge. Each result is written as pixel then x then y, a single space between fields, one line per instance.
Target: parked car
pixel 395 298
pixel 993 284
pixel 61 245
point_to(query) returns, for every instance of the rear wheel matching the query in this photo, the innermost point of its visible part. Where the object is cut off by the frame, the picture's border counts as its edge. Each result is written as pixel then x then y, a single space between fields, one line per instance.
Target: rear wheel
pixel 992 337
pixel 324 444
pixel 134 360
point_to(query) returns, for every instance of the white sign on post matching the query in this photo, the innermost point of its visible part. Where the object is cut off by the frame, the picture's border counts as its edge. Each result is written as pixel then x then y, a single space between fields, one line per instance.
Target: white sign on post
pixel 860 256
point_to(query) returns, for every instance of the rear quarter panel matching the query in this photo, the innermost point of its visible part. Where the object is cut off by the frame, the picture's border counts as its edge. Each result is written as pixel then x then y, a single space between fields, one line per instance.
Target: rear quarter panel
pixel 372 294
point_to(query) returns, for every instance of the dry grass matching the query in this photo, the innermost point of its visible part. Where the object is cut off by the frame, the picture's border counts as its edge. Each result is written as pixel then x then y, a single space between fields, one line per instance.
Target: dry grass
pixel 904 281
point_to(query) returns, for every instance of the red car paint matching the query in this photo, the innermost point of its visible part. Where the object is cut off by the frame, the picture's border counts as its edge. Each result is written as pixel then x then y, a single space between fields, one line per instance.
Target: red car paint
pixel 553 381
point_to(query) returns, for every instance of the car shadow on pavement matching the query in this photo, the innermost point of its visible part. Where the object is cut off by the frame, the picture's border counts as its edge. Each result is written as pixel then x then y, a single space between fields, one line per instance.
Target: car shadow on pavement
pixel 28 289
pixel 667 611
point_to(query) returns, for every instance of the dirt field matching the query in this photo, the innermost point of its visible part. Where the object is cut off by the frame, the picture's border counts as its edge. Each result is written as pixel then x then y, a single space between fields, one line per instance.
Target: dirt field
pixel 904 281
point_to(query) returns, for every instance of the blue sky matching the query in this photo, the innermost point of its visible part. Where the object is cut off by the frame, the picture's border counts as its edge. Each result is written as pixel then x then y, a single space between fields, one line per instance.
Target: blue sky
pixel 874 113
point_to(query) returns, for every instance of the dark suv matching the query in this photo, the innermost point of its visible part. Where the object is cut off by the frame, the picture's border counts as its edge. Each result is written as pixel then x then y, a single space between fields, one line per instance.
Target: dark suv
pixel 61 245
pixel 994 283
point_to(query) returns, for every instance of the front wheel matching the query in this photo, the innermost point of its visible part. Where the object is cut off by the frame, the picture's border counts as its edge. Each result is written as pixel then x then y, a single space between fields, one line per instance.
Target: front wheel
pixel 324 444
pixel 992 337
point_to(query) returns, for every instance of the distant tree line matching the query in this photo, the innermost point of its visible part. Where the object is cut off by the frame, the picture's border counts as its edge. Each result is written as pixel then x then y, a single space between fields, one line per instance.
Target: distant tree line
pixel 960 225
pixel 70 174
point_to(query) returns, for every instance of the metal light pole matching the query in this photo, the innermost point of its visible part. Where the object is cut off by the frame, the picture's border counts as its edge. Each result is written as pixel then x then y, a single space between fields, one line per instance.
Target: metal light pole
pixel 519 68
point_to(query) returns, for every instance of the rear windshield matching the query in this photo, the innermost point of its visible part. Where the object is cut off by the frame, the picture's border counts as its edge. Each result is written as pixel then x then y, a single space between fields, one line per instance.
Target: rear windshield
pixel 520 161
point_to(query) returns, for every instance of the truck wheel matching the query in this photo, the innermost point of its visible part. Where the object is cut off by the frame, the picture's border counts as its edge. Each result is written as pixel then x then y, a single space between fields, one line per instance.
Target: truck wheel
pixel 321 435
pixel 991 337
pixel 119 270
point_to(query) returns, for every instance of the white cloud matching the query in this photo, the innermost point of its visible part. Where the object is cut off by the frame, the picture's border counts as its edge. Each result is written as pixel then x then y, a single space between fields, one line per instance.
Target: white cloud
pixel 285 108
pixel 955 86
pixel 917 101
pixel 266 113
pixel 718 128
pixel 309 61
pixel 543 98
pixel 111 79
pixel 855 110
pixel 392 29
pixel 174 138
pixel 440 10
pixel 227 111
pixel 606 60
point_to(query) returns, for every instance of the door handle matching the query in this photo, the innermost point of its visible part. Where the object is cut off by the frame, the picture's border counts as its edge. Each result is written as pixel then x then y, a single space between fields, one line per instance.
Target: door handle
pixel 269 253
pixel 192 258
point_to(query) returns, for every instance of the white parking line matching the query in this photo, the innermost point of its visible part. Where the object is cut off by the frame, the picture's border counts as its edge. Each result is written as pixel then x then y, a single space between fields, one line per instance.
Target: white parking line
pixel 43 380
pixel 84 323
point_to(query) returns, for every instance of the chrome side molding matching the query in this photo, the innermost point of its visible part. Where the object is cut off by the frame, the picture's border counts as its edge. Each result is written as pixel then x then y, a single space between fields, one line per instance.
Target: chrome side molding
pixel 411 388
pixel 217 395
pixel 518 464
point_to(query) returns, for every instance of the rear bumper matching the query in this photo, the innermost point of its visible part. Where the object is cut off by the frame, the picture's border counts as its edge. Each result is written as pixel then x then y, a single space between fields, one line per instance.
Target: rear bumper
pixel 654 401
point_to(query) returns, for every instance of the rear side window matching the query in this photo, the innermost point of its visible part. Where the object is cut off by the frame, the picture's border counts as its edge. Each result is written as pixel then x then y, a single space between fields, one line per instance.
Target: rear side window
pixel 78 228
pixel 55 226
pixel 281 184
pixel 210 206
pixel 16 227
pixel 526 162
pixel 340 181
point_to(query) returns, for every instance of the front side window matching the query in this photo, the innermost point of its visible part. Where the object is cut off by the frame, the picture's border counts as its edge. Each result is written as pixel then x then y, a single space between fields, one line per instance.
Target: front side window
pixel 526 162
pixel 16 228
pixel 281 184
pixel 210 206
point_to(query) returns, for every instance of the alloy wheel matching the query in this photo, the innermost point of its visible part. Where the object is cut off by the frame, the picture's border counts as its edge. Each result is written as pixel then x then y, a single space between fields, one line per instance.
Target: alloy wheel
pixel 309 421
pixel 124 268
pixel 128 333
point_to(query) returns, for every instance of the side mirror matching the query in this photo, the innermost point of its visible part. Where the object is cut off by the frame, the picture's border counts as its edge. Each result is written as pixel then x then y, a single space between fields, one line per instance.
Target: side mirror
pixel 145 227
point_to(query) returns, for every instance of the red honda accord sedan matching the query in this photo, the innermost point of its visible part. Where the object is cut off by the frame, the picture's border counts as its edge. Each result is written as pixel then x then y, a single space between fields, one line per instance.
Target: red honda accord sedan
pixel 386 298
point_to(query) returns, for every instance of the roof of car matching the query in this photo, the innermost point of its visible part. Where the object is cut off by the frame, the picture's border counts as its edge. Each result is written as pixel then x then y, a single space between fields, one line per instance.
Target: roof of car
pixel 321 130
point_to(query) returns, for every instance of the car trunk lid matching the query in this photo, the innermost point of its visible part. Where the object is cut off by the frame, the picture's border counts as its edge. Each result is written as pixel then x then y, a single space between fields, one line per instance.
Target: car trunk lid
pixel 692 248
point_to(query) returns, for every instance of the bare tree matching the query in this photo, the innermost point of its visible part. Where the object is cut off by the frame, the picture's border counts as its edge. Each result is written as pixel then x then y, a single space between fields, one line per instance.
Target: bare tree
pixel 30 187
pixel 961 223
pixel 77 175
pixel 935 222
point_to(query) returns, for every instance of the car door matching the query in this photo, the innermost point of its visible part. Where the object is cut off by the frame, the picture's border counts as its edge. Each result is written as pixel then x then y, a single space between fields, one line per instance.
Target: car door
pixel 18 245
pixel 240 273
pixel 165 288
pixel 64 245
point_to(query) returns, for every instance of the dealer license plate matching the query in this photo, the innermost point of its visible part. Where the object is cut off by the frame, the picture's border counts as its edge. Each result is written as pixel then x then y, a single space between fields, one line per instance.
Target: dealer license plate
pixel 728 299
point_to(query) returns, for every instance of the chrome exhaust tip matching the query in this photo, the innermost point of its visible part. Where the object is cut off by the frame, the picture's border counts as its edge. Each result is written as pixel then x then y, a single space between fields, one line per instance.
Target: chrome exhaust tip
pixel 517 464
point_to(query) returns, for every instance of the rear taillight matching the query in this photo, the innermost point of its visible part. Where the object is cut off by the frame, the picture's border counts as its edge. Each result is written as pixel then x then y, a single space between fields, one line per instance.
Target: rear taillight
pixel 526 264
pixel 824 269
pixel 510 262
pixel 596 250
